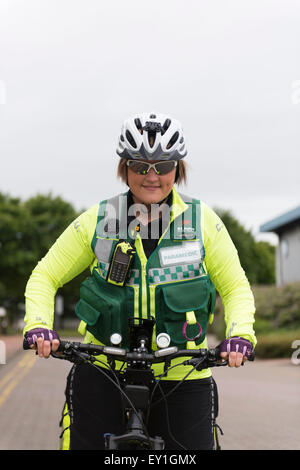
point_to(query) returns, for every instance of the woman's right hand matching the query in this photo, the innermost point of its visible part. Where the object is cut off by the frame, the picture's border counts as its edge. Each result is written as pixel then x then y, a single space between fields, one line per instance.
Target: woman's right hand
pixel 42 340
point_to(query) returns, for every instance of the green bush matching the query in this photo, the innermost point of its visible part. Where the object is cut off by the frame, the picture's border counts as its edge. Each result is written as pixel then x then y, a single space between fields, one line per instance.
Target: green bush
pixel 277 344
pixel 277 319
pixel 277 307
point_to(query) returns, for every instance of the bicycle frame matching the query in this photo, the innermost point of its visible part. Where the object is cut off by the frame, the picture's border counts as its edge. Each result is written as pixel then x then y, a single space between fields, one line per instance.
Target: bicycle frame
pixel 137 379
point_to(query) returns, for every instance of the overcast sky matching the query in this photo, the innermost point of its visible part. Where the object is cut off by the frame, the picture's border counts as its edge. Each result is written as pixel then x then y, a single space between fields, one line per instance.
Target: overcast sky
pixel 72 70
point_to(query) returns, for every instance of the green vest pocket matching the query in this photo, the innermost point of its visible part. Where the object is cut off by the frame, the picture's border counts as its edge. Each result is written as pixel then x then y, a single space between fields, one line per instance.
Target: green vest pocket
pixel 186 296
pixel 176 300
pixel 105 308
pixel 87 313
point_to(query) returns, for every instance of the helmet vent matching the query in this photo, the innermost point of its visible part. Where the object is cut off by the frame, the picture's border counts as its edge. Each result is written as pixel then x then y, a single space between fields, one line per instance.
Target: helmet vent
pixel 151 138
pixel 138 125
pixel 130 139
pixel 166 126
pixel 173 140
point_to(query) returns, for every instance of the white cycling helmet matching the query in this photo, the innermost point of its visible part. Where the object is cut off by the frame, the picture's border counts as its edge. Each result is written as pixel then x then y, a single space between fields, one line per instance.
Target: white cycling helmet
pixel 151 136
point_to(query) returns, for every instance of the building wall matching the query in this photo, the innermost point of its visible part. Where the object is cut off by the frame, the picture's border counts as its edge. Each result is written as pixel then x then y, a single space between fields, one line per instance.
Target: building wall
pixel 288 256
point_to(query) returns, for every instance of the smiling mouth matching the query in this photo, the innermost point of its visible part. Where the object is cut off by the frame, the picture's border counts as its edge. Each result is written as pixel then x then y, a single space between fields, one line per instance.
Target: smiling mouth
pixel 151 187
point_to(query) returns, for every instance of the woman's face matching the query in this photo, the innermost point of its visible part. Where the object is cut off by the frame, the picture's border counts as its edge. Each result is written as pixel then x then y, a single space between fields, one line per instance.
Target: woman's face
pixel 150 188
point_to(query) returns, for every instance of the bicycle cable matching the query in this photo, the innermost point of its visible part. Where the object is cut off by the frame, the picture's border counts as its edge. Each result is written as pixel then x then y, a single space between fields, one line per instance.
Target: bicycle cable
pixel 107 367
pixel 164 397
pixel 112 370
pixel 168 419
pixel 179 383
pixel 129 401
pixel 157 381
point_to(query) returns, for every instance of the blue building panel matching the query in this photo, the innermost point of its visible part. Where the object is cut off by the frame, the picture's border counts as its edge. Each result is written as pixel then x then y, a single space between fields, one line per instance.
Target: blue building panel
pixel 281 221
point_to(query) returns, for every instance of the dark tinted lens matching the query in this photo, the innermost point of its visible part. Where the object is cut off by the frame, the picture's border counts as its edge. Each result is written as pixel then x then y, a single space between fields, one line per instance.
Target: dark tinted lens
pixel 138 167
pixel 163 168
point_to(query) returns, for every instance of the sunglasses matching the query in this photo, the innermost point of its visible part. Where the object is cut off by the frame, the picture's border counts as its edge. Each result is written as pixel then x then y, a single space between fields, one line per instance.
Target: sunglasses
pixel 160 168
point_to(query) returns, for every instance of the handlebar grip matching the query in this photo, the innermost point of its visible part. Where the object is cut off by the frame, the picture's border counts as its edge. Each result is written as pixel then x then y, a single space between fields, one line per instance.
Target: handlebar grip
pixel 25 345
pixel 218 352
pixel 65 346
pixel 252 357
pixel 61 347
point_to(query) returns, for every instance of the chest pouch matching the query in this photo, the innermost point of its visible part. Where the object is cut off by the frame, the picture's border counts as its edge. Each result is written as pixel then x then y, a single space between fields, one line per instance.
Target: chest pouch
pixel 119 267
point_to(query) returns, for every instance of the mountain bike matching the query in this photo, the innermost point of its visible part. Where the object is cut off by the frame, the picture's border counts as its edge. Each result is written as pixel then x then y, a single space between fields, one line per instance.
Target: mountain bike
pixel 137 377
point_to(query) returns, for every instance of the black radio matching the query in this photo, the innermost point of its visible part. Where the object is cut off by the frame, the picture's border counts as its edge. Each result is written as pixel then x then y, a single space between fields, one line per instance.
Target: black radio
pixel 120 264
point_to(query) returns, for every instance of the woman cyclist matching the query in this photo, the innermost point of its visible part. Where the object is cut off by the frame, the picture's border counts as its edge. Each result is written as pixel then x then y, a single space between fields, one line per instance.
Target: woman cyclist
pixel 152 252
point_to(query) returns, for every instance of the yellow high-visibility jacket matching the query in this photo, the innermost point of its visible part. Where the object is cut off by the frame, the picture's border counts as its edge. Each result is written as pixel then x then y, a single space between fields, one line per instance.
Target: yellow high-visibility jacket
pixel 73 252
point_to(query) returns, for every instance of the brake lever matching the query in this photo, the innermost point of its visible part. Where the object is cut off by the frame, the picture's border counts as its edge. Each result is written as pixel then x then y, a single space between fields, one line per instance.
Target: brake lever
pixel 76 357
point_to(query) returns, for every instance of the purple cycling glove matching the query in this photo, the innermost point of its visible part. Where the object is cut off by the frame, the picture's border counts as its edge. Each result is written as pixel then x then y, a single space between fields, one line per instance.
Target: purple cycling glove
pixel 32 335
pixel 237 344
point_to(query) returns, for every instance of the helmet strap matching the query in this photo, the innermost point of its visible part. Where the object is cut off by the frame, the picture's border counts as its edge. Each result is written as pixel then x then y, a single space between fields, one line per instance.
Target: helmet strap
pixel 177 173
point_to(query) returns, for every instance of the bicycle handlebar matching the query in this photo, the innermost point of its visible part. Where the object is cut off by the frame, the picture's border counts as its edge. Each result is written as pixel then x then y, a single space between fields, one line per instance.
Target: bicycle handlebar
pixel 73 351
pixel 87 351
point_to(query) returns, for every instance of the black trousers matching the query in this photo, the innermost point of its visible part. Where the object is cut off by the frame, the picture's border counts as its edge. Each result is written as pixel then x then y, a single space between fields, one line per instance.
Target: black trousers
pixel 185 419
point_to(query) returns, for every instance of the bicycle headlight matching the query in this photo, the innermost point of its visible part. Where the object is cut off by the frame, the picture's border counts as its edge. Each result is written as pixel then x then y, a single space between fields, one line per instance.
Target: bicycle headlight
pixel 116 339
pixel 163 340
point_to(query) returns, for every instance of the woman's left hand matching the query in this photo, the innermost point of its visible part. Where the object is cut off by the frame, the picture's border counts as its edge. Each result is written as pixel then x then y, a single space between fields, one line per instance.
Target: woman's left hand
pixel 237 350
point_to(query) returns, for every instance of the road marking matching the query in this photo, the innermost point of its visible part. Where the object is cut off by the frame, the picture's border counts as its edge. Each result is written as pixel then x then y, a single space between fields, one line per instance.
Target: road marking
pixel 14 371
pixel 17 374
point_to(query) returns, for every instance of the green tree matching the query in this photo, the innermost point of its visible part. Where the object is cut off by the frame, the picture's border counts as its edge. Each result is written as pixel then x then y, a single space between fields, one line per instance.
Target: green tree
pixel 13 259
pixel 27 231
pixel 49 216
pixel 257 258
pixel 264 256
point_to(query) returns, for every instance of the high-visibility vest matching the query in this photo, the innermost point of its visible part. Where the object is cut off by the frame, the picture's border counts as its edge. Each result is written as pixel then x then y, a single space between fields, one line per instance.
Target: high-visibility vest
pixel 171 286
